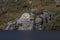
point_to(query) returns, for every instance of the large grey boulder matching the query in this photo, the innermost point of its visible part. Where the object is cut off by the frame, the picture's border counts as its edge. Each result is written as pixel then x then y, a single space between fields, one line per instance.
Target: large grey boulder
pixel 38 22
pixel 27 24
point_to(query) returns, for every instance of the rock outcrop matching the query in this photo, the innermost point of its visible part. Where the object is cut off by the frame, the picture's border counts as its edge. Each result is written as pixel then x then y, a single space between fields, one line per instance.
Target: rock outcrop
pixel 27 24
pixel 26 21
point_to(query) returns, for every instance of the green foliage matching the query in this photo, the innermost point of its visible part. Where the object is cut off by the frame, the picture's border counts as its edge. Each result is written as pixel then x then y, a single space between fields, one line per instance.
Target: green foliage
pixel 54 24
pixel 48 26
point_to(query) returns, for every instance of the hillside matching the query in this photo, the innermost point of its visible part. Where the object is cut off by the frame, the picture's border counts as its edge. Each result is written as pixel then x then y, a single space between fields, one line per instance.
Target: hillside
pixel 12 9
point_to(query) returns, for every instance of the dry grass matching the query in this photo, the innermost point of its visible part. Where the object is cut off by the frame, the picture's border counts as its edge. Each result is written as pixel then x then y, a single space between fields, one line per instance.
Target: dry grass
pixel 12 15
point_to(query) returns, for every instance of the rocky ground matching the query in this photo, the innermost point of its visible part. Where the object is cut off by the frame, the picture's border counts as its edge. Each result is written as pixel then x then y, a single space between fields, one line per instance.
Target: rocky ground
pixel 29 15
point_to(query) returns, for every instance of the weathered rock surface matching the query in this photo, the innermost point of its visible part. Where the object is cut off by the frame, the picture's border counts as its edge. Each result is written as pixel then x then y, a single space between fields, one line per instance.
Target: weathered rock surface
pixel 27 24
pixel 26 21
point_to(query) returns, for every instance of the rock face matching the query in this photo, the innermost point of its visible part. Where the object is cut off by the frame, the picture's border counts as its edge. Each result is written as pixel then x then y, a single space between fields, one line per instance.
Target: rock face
pixel 9 25
pixel 26 21
pixel 45 17
pixel 38 21
pixel 41 20
pixel 27 24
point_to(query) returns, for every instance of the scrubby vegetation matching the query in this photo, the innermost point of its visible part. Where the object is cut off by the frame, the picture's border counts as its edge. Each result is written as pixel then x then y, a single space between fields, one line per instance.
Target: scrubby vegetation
pixel 11 9
pixel 54 24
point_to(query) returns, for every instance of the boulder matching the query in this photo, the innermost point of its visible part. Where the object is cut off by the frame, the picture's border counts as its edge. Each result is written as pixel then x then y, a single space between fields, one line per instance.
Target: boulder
pixel 27 24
